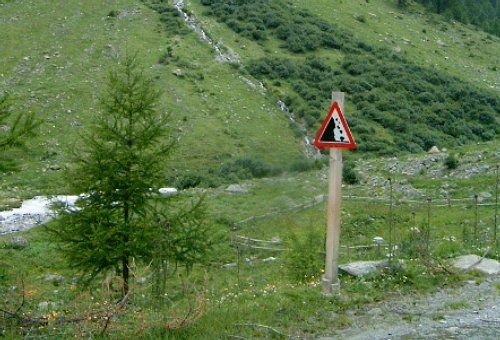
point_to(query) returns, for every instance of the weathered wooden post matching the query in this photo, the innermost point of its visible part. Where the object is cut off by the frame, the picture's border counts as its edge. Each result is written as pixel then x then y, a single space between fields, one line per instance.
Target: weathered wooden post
pixel 495 240
pixel 334 134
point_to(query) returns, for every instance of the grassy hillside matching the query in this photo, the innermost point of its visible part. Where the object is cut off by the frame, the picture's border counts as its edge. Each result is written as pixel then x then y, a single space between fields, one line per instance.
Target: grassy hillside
pixel 396 104
pixel 279 289
pixel 467 53
pixel 55 57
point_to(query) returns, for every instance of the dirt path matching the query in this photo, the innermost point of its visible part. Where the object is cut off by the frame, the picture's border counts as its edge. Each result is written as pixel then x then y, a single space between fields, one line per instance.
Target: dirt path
pixel 470 311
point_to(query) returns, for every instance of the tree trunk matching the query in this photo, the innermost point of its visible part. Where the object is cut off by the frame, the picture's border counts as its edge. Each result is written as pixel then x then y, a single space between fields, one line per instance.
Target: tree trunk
pixel 125 274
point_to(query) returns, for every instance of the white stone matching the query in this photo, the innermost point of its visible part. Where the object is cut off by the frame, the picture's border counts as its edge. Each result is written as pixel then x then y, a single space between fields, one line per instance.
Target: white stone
pixel 270 259
pixel 167 191
pixel 441 43
pixel 470 262
pixel 56 278
pixel 141 281
pixel 362 268
pixel 434 149
pixel 43 306
pixel 236 189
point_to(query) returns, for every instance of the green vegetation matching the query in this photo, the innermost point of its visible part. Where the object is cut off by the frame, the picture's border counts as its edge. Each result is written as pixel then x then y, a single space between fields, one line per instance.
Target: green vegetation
pixel 57 72
pixel 122 160
pixel 482 13
pixel 14 129
pixel 217 299
pixel 451 162
pixel 230 130
pixel 418 107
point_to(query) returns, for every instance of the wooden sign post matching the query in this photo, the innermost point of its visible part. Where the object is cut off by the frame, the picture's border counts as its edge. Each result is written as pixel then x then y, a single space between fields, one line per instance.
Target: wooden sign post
pixel 334 134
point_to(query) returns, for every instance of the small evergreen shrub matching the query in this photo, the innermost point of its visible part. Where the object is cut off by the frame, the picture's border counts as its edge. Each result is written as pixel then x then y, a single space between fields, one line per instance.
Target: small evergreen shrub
pixel 349 174
pixel 451 162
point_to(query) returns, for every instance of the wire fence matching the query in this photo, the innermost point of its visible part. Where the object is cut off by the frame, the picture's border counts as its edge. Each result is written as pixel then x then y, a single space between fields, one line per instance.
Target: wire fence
pixel 387 227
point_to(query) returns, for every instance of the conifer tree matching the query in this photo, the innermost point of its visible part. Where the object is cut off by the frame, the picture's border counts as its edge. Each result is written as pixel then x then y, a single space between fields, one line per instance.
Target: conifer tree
pixel 122 159
pixel 14 128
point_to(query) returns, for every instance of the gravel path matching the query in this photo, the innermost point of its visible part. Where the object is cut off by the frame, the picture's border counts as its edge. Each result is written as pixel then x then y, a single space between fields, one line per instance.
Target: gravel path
pixel 470 311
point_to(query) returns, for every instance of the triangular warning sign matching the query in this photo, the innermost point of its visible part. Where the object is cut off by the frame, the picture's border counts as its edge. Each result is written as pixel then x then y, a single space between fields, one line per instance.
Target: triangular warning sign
pixel 334 132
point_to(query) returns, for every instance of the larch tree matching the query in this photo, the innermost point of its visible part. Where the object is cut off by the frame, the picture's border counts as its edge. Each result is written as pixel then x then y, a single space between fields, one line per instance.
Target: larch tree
pixel 14 127
pixel 121 161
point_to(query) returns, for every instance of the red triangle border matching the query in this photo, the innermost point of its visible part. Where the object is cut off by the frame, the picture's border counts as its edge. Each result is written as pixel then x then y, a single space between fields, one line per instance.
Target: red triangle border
pixel 322 145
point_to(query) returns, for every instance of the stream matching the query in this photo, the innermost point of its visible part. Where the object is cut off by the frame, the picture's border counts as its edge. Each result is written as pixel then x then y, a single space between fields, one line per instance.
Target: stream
pixel 32 212
pixel 233 58
pixel 38 210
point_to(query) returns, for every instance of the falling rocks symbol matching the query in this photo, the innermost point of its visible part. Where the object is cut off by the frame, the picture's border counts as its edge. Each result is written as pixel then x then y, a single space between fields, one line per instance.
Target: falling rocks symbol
pixel 334 132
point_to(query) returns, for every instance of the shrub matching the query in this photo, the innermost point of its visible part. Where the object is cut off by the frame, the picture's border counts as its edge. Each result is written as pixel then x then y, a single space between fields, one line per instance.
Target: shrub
pixel 305 259
pixel 306 164
pixel 349 174
pixel 245 168
pixel 113 14
pixel 397 90
pixel 451 162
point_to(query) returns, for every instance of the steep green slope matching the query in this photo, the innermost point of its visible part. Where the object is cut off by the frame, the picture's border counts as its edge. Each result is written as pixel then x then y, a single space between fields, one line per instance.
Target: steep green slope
pixel 54 59
pixel 482 13
pixel 426 39
pixel 395 103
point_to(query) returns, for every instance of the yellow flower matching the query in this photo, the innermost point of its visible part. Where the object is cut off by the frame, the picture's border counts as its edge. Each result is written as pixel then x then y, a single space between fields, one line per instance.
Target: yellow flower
pixel 31 293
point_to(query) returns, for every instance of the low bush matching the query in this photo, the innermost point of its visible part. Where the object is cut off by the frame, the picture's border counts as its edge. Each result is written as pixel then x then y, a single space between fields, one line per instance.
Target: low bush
pixel 245 168
pixel 306 256
pixel 451 162
pixel 388 92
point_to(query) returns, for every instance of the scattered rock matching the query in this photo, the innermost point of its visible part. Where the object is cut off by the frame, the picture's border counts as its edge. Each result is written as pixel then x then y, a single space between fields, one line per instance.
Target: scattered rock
pixel 43 306
pixel 375 311
pixel 363 268
pixel 18 243
pixel 482 264
pixel 397 49
pixel 141 281
pixel 54 167
pixel 178 73
pixel 236 189
pixel 441 43
pixel 270 259
pixel 230 265
pixel 484 196
pixel 167 191
pixel 433 150
pixel 319 199
pixel 10 203
pixel 54 278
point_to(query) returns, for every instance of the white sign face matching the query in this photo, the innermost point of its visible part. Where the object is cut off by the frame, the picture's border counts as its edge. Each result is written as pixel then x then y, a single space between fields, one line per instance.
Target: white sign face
pixel 334 132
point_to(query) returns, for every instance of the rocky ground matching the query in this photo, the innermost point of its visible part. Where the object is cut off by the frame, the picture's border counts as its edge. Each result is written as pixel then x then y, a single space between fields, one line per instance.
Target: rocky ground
pixel 471 311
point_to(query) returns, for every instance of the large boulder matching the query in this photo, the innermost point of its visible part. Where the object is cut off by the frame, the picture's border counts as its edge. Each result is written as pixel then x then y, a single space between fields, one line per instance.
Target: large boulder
pixel 474 262
pixel 167 191
pixel 363 268
pixel 433 150
pixel 54 278
pixel 236 189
